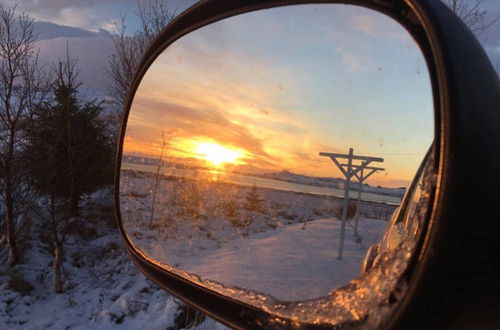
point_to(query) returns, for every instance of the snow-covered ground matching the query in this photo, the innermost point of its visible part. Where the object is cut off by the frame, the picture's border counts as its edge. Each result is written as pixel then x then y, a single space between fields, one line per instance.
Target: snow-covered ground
pixel 285 249
pixel 291 264
pixel 103 289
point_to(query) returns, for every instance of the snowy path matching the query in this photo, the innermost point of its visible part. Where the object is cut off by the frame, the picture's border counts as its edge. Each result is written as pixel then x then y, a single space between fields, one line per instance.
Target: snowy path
pixel 290 264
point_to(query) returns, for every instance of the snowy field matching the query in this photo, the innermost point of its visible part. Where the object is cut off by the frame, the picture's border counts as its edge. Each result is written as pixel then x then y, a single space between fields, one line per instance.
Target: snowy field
pixel 103 289
pixel 285 248
pixel 290 264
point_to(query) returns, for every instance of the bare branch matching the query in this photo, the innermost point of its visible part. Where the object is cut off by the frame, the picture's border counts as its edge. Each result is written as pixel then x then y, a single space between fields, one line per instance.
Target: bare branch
pixel 473 14
pixel 128 49
pixel 20 79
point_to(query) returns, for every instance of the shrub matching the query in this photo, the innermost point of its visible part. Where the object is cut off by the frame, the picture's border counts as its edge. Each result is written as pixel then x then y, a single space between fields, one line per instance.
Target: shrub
pixel 230 208
pixel 351 210
pixel 189 199
pixel 254 201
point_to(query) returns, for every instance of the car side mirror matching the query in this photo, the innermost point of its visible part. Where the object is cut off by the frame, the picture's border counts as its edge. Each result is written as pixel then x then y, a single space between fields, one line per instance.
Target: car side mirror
pixel 246 135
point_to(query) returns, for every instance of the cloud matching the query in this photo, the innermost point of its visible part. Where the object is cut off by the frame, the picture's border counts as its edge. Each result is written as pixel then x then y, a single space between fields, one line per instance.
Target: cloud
pixel 269 95
pixel 82 14
pixel 57 5
pixel 92 53
pixel 149 116
pixel 88 14
pixel 48 31
pixel 211 86
pixel 274 139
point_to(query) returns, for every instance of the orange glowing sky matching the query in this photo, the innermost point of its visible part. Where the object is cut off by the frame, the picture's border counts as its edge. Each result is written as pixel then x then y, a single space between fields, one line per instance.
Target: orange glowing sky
pixel 272 89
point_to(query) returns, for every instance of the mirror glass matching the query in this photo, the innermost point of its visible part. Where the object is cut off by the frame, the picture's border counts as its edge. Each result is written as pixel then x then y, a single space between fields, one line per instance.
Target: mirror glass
pixel 247 136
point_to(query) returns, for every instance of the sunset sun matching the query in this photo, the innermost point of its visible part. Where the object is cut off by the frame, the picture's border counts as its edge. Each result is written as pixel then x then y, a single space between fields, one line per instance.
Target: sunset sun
pixel 217 154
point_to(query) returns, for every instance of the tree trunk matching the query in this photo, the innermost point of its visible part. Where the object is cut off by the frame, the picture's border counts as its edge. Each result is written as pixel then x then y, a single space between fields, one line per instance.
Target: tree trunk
pixel 9 220
pixel 58 250
pixel 75 206
pixel 58 255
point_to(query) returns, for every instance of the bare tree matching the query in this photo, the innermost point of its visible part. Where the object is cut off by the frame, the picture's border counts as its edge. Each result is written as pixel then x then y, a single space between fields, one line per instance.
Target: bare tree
pixel 473 13
pixel 128 49
pixel 21 89
pixel 165 137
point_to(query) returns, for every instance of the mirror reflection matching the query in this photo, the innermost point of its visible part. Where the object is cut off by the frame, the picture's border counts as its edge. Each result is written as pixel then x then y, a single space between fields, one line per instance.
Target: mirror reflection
pixel 269 150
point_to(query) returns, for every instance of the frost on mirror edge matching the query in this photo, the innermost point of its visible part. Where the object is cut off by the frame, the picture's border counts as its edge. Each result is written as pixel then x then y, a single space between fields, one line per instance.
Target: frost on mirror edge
pixel 237 157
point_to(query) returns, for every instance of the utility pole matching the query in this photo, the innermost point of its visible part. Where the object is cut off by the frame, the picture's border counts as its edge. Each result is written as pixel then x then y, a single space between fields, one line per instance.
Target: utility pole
pixel 362 177
pixel 349 170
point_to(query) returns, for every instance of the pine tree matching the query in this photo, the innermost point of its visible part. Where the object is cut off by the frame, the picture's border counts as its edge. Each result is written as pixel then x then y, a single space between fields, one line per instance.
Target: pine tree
pixel 254 201
pixel 68 153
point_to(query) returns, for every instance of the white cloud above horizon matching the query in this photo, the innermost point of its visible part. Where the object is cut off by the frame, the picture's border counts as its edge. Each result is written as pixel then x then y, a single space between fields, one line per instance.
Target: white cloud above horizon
pixel 91 15
pixel 91 53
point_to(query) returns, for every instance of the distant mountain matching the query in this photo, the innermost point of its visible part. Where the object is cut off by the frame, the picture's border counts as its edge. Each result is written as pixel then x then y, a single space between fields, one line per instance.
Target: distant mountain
pixel 304 179
pixel 286 176
pixel 330 182
pixel 133 159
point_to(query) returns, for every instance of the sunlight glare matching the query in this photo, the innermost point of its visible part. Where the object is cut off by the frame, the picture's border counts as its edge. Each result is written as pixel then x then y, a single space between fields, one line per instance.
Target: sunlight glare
pixel 217 154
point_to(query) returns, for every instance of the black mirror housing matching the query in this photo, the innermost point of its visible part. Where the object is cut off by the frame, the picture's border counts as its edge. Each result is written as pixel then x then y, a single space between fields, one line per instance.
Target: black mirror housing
pixel 452 281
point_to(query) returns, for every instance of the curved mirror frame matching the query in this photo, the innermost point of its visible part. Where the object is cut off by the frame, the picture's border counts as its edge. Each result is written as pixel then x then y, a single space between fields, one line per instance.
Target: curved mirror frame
pixel 210 11
pixel 278 100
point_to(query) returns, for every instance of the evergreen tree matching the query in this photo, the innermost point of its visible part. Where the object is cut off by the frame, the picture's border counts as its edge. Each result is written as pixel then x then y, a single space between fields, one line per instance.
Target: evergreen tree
pixel 254 201
pixel 68 153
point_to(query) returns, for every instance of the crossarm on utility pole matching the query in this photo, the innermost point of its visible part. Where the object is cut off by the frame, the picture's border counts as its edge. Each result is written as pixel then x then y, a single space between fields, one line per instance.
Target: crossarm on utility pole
pixel 372 159
pixel 360 168
pixel 373 170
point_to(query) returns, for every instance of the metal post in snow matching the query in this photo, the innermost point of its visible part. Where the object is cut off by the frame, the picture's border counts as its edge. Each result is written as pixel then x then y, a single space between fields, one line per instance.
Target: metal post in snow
pixel 358 205
pixel 346 203
pixel 362 177
pixel 348 174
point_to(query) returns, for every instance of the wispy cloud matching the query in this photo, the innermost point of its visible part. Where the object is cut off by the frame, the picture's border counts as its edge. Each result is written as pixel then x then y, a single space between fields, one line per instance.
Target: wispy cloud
pixel 214 99
pixel 88 14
